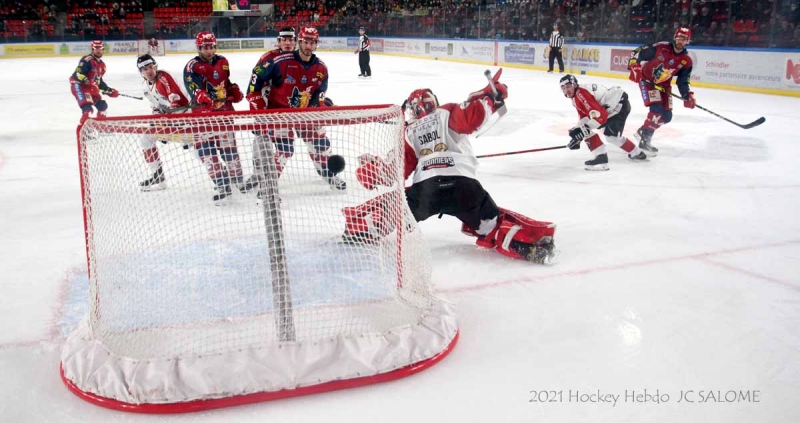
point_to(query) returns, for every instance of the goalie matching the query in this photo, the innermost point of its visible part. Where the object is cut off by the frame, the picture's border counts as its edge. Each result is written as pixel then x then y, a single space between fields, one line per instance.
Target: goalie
pixel 439 155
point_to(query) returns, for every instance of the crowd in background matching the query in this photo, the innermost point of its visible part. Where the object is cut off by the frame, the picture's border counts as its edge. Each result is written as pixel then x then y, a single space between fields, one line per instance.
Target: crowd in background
pixel 759 23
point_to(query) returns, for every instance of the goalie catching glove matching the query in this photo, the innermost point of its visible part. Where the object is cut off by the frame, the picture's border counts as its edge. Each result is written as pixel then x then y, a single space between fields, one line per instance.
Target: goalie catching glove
pixel 373 170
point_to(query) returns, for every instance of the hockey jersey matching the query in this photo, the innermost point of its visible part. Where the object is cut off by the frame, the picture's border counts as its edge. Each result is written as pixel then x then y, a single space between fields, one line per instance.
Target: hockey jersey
pixel 660 64
pixel 438 144
pixel 163 93
pixel 213 77
pixel 293 83
pixel 596 103
pixel 90 71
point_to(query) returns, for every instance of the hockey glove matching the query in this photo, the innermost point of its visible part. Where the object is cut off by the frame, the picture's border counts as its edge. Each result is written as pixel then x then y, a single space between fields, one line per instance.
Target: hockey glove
pixel 257 101
pixel 174 101
pixel 636 72
pixel 112 93
pixel 688 101
pixel 577 134
pixel 328 102
pixel 235 94
pixel 202 97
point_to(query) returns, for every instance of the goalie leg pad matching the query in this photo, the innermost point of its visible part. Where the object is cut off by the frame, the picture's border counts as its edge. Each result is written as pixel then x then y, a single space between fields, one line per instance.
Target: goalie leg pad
pixel 518 236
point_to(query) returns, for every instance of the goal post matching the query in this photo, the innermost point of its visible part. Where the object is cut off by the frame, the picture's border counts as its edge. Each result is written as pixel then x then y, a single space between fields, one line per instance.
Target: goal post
pixel 152 46
pixel 196 305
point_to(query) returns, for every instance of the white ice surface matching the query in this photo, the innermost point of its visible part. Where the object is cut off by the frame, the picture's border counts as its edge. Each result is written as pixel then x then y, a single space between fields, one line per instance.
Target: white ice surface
pixel 679 273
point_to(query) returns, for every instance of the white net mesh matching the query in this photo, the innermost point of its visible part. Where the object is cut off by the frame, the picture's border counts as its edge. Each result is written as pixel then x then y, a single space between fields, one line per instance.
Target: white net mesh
pixel 174 273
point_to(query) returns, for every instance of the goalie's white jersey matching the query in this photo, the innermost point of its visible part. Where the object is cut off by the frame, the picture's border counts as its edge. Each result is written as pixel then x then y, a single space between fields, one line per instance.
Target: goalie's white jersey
pixel 164 93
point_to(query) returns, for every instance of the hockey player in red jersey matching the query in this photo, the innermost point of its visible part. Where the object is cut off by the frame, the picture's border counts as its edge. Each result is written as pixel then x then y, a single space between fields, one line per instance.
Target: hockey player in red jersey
pixel 295 79
pixel 439 155
pixel 599 107
pixel 164 94
pixel 207 80
pixel 87 82
pixel 653 66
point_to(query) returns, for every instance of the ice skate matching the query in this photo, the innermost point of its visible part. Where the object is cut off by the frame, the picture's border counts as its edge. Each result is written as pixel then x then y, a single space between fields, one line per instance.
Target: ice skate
pixel 598 163
pixel 223 188
pixel 638 157
pixel 248 185
pixel 543 252
pixel 336 183
pixel 157 182
pixel 644 141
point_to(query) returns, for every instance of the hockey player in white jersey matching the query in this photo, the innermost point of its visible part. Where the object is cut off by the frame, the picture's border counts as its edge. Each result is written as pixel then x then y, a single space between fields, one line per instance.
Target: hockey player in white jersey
pixel 439 154
pixel 165 95
pixel 599 107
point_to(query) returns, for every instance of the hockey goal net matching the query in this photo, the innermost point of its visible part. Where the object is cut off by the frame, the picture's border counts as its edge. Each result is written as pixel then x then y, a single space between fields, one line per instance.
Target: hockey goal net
pixel 197 305
pixel 152 46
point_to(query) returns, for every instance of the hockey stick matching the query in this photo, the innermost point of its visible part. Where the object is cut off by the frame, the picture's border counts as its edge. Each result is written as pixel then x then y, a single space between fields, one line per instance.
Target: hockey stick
pixel 125 95
pixel 180 109
pixel 752 124
pixel 520 152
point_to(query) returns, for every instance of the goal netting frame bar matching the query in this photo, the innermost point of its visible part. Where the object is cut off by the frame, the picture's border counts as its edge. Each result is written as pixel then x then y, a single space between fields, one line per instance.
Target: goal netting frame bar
pixel 143 47
pixel 294 361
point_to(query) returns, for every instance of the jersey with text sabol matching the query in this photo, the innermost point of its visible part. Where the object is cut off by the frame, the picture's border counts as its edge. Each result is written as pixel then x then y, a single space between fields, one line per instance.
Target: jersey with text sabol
pixel 363 43
pixel 660 63
pixel 90 71
pixel 597 102
pixel 292 82
pixel 440 141
pixel 163 92
pixel 212 78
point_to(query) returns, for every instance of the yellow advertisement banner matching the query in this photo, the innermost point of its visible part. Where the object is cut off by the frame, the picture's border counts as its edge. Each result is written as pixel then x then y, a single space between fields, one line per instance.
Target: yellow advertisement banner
pixel 28 49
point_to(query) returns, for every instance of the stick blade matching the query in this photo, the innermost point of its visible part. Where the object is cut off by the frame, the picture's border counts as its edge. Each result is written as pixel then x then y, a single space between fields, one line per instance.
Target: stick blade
pixel 754 123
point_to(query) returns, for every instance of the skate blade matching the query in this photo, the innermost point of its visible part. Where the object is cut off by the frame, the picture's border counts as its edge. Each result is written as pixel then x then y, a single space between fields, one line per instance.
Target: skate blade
pixel 598 167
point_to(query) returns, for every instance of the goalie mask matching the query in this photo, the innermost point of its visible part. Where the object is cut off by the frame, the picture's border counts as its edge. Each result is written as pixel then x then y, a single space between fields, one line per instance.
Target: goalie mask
pixel 419 104
pixel 569 84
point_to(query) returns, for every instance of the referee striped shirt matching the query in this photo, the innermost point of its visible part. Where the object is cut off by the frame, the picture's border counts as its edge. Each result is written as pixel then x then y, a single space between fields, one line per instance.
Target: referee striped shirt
pixel 363 42
pixel 556 40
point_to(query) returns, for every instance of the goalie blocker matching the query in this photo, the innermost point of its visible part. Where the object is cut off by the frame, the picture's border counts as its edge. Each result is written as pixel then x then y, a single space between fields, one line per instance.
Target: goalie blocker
pixel 439 155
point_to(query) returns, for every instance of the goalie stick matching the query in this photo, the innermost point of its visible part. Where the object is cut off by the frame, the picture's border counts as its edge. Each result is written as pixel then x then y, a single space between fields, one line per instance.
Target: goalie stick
pixel 502 110
pixel 752 124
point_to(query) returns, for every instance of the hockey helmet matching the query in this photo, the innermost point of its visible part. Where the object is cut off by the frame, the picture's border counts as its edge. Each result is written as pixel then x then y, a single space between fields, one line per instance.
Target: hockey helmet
pixel 287 31
pixel 420 103
pixel 144 60
pixel 205 38
pixel 97 44
pixel 683 32
pixel 308 33
pixel 569 84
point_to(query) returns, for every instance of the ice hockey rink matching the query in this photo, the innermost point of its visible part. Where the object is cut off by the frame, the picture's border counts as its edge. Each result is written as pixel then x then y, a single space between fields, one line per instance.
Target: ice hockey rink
pixel 676 297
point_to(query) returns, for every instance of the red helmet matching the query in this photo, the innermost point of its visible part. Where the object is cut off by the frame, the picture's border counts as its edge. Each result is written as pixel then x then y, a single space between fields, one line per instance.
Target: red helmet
pixel 419 104
pixel 684 32
pixel 205 39
pixel 96 44
pixel 308 33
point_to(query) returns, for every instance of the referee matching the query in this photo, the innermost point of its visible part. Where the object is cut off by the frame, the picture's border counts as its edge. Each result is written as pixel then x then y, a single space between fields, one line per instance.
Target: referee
pixel 556 42
pixel 363 54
